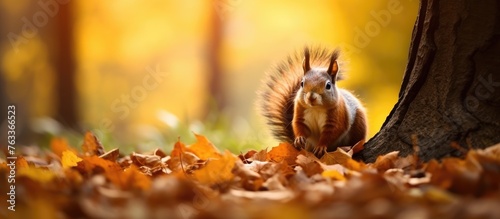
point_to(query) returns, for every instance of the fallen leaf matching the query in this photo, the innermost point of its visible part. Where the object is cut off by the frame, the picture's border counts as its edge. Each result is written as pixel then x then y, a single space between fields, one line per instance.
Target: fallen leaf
pixel 333 174
pixel 69 159
pixel 59 145
pixel 217 171
pixel 91 145
pixel 357 147
pixel 111 155
pixel 386 161
pixel 309 164
pixel 203 148
pixel 179 148
pixel 338 156
pixel 38 174
pixel 131 179
pixel 283 152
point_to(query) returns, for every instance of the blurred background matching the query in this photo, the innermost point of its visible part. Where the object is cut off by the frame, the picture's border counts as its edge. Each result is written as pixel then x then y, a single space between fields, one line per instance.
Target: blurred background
pixel 141 74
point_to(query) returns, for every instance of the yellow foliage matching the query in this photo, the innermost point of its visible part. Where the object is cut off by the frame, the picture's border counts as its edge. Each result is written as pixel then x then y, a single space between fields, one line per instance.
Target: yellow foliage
pixel 37 174
pixel 69 159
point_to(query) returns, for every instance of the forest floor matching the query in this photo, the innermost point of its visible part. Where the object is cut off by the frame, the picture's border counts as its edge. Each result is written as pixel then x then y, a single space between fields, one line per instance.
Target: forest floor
pixel 199 181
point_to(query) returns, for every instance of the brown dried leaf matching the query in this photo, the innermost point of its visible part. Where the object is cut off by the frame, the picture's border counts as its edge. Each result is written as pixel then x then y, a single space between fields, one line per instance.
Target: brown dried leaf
pixel 260 156
pixel 338 156
pixel 283 152
pixel 310 164
pixel 386 161
pixel 91 145
pixel 111 155
pixel 251 180
pixel 145 160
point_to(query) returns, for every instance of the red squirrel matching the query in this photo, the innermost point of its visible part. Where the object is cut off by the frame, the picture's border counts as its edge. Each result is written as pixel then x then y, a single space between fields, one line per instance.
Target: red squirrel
pixel 303 105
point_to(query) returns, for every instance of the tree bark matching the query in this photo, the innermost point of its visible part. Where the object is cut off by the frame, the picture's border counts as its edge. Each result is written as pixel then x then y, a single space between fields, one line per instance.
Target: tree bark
pixel 451 86
pixel 64 63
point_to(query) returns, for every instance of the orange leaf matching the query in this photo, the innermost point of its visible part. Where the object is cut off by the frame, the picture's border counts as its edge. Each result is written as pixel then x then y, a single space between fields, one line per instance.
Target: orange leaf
pixel 89 164
pixel 59 145
pixel 283 152
pixel 69 159
pixel 386 161
pixel 217 171
pixel 179 148
pixel 21 162
pixel 91 145
pixel 338 156
pixel 358 147
pixel 204 149
pixel 130 178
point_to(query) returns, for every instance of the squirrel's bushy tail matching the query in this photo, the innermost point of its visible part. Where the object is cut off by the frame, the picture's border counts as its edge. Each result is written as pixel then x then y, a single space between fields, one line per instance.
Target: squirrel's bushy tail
pixel 277 94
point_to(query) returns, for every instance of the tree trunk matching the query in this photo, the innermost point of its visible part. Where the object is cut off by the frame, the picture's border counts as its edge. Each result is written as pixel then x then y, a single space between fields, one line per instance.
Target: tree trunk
pixel 451 86
pixel 64 63
pixel 217 101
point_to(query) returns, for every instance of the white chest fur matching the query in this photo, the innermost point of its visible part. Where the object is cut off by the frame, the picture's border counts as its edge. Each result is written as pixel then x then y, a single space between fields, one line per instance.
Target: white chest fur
pixel 315 118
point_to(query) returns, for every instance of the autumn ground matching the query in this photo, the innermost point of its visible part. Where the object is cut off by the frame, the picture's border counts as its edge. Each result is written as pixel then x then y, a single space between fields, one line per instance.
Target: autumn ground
pixel 199 181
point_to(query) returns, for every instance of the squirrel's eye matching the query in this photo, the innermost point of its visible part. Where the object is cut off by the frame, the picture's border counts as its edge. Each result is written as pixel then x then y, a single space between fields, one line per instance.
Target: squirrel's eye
pixel 328 85
pixel 302 84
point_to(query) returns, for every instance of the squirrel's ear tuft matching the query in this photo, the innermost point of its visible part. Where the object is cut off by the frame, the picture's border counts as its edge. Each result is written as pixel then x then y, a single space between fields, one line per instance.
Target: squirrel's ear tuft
pixel 306 63
pixel 333 68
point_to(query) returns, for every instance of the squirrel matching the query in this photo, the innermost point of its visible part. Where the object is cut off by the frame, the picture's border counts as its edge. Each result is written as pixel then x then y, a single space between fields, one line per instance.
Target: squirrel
pixel 303 105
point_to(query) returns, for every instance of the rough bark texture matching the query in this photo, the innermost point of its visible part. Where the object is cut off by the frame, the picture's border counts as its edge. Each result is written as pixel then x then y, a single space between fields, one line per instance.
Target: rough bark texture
pixel 451 86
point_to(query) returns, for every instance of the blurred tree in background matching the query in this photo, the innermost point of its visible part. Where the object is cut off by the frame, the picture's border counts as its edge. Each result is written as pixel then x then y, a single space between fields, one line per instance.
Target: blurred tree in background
pixel 145 72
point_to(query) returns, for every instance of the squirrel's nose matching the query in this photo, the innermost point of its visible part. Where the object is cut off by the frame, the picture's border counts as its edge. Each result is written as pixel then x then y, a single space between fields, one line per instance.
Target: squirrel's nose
pixel 312 98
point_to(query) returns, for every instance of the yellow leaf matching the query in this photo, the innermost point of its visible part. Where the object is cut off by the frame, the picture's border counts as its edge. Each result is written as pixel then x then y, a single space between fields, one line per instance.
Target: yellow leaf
pixel 333 174
pixel 37 174
pixel 217 170
pixel 69 159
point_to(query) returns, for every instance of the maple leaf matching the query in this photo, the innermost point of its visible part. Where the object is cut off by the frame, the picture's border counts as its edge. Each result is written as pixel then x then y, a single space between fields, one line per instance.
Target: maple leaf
pixel 91 145
pixel 338 156
pixel 203 148
pixel 283 152
pixel 179 148
pixel 217 171
pixel 69 159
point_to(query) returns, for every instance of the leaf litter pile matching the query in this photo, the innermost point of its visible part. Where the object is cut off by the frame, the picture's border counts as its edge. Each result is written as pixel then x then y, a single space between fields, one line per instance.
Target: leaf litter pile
pixel 199 181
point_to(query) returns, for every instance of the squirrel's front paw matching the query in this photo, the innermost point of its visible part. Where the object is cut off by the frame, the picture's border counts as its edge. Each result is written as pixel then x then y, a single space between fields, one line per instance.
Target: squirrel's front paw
pixel 300 142
pixel 319 150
